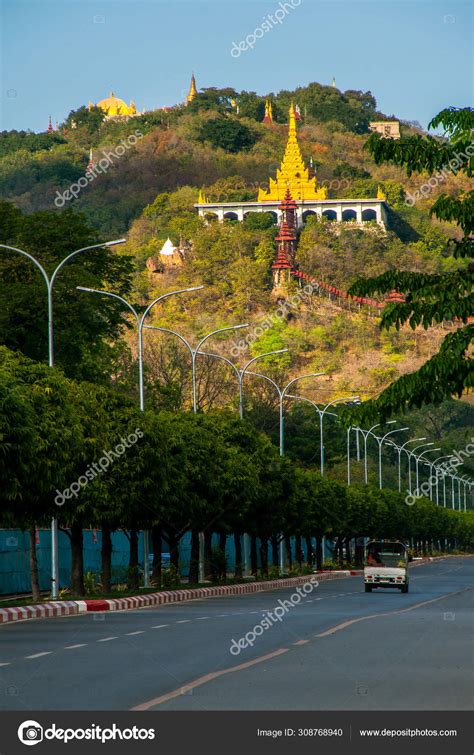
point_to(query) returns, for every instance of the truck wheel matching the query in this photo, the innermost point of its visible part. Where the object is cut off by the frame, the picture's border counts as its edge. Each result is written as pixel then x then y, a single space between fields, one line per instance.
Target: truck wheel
pixel 368 588
pixel 404 588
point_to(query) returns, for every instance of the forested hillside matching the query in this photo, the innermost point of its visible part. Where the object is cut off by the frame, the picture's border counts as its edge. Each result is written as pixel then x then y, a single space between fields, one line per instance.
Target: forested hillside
pixel 218 144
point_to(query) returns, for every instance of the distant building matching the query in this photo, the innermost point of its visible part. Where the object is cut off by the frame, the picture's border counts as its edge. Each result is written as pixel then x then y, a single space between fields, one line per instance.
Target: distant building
pixel 387 129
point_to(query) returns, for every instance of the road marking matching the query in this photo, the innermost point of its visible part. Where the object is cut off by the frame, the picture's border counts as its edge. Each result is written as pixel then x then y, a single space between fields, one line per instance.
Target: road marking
pixel 349 623
pixel 219 615
pixel 183 621
pixel 207 678
pixel 201 618
pixel 130 634
pixel 300 642
pixel 39 655
pixel 73 647
pixel 5 664
pixel 160 626
pixel 107 639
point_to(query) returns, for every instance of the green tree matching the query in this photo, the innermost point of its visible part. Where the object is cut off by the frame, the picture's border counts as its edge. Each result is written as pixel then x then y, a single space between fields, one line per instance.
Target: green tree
pixel 82 337
pixel 228 134
pixel 431 299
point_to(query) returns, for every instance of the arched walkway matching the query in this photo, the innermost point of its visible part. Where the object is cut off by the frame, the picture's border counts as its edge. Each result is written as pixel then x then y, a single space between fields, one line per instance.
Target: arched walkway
pixel 348 215
pixel 369 215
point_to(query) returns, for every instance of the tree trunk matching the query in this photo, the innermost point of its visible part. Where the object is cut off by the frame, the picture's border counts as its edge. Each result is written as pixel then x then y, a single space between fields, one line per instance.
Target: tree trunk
pixel 253 555
pixel 106 558
pixel 274 546
pixel 264 555
pixel 289 554
pixel 194 559
pixel 156 544
pixel 35 587
pixel 173 544
pixel 207 554
pixel 77 555
pixel 298 551
pixel 238 574
pixel 319 553
pixel 309 551
pixel 133 581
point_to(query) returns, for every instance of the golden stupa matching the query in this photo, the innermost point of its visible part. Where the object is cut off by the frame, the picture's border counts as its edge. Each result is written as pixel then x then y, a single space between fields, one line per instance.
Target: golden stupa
pixel 192 90
pixel 292 174
pixel 114 107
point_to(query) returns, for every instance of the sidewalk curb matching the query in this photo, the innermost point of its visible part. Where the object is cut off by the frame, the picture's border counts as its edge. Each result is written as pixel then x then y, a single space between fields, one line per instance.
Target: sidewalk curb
pixel 71 607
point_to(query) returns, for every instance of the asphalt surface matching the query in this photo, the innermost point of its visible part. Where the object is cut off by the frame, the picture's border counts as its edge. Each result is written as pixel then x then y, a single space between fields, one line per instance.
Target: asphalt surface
pixel 339 649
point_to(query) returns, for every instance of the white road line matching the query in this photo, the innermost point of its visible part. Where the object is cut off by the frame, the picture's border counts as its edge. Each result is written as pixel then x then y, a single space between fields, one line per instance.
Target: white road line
pixel 254 611
pixel 73 647
pixel 219 615
pixel 201 618
pixel 5 664
pixel 183 621
pixel 160 626
pixel 39 655
pixel 107 639
pixel 130 634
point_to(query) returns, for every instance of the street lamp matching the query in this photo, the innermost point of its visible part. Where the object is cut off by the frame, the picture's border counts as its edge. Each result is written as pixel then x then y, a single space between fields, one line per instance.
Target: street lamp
pixel 432 465
pixel 399 450
pixel 197 350
pixel 380 442
pixel 411 454
pixel 417 462
pixel 241 373
pixel 50 280
pixel 140 319
pixel 365 434
pixel 281 394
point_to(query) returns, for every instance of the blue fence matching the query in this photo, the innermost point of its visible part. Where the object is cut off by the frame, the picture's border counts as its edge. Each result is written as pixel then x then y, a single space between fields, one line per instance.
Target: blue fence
pixel 15 564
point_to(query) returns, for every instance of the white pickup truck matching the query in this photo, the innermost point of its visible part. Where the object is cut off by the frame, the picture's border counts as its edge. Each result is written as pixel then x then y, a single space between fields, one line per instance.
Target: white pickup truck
pixel 386 565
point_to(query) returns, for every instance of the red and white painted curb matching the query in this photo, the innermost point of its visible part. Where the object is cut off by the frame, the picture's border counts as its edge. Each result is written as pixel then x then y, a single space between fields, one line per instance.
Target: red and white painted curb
pixel 40 611
pixel 70 607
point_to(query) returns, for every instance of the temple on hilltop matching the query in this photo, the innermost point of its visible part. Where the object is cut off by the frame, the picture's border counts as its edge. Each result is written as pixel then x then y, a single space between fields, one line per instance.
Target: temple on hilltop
pixel 114 107
pixel 192 90
pixel 293 174
pixel 310 199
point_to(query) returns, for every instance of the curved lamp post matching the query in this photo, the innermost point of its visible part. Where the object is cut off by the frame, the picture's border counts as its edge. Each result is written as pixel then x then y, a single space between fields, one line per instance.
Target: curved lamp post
pixel 399 450
pixel 140 319
pixel 194 352
pixel 50 280
pixel 281 395
pixel 365 434
pixel 417 463
pixel 411 454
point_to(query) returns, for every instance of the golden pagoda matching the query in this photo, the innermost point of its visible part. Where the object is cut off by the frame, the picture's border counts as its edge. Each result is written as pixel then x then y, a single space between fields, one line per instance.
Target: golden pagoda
pixel 192 90
pixel 292 174
pixel 114 107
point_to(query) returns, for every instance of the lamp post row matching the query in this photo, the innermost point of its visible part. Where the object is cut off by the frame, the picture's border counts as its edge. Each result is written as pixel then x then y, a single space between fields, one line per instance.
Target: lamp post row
pixel 240 373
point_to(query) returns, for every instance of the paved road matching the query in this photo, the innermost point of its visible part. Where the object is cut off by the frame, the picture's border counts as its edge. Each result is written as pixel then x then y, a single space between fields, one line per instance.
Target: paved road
pixel 340 648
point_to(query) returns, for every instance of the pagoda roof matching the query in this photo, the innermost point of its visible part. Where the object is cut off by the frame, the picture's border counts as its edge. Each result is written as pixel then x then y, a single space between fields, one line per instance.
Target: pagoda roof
pixel 281 261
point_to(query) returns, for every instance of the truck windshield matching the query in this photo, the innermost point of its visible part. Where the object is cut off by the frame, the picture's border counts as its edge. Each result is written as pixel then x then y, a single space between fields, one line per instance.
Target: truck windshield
pixel 382 555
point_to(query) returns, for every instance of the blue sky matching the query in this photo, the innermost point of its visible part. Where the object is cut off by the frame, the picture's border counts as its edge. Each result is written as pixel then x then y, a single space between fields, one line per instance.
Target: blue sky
pixel 415 56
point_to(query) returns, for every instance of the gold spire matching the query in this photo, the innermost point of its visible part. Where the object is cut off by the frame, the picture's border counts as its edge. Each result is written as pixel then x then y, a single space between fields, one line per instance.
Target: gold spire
pixel 192 90
pixel 380 193
pixel 292 174
pixel 202 199
pixel 268 118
